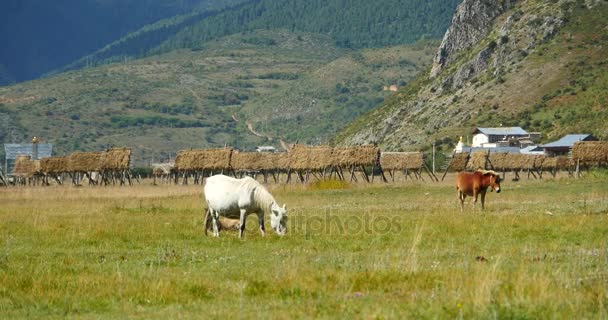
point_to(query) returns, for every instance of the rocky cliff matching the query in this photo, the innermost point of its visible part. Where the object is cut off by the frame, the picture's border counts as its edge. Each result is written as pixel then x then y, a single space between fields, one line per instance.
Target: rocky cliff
pixel 525 63
pixel 471 23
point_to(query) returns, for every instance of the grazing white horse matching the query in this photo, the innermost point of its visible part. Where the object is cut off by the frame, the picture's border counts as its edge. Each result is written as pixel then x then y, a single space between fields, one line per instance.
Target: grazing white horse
pixel 237 198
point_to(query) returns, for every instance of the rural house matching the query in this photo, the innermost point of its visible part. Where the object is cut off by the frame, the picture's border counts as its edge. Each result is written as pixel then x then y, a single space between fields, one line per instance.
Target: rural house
pixel 565 144
pixel 499 137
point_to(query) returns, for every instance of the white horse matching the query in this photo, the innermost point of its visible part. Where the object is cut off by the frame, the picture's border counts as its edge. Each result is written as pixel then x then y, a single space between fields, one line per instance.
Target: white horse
pixel 237 198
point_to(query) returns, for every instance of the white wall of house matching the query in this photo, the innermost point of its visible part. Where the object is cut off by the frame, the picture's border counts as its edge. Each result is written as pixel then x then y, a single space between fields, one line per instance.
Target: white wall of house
pixel 479 140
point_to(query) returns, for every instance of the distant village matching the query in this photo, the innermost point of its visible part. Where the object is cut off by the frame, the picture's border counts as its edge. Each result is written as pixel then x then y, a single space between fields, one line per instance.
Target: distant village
pixel 518 140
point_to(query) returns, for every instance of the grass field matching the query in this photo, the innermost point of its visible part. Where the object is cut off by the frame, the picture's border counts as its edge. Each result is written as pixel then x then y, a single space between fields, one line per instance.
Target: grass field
pixel 382 251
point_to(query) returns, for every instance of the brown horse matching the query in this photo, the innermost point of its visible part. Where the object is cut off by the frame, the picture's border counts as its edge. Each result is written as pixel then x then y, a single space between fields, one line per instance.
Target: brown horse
pixel 476 183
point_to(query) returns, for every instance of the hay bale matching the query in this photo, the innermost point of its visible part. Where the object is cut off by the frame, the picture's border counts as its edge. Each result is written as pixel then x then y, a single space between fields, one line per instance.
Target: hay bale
pixel 539 161
pixel 401 160
pixel 116 159
pixel 84 161
pixel 590 151
pixel 303 157
pixel 500 161
pixel 54 165
pixel 563 163
pixel 556 163
pixel 26 167
pixel 459 161
pixel 253 161
pixel 281 160
pixel 478 160
pixel 204 159
pixel 356 156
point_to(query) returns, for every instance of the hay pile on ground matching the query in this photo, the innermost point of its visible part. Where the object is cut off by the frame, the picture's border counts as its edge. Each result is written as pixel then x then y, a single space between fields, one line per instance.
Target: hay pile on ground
pixel 356 156
pixel 254 161
pixel 26 167
pixel 478 160
pixel 116 159
pixel 590 151
pixel 205 159
pixel 84 161
pixel 303 157
pixel 402 160
pixel 54 165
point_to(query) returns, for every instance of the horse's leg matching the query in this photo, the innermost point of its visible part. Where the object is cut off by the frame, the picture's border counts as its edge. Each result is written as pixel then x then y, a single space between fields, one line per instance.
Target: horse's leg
pixel 215 217
pixel 483 199
pixel 261 221
pixel 475 196
pixel 243 220
pixel 461 197
pixel 206 220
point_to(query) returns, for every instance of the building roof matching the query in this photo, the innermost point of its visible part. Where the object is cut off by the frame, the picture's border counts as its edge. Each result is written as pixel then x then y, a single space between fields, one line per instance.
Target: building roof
pixel 568 141
pixel 532 150
pixel 502 131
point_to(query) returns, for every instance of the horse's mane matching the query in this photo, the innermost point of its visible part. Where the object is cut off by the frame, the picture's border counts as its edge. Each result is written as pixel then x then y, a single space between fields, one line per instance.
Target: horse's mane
pixel 261 197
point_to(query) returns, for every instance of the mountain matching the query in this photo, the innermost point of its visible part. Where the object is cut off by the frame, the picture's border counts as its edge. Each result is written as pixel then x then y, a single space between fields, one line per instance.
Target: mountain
pixel 541 65
pixel 39 35
pixel 255 86
pixel 352 24
pixel 209 97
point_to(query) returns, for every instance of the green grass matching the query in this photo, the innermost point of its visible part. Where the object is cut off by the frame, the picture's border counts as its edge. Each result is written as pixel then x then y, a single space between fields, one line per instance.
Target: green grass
pixel 381 251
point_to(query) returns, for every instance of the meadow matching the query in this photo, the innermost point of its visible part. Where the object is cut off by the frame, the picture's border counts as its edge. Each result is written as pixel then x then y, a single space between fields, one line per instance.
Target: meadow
pixel 403 250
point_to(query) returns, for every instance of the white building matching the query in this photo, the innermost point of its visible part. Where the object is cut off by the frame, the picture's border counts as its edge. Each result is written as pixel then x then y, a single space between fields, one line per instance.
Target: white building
pixel 266 149
pixel 497 137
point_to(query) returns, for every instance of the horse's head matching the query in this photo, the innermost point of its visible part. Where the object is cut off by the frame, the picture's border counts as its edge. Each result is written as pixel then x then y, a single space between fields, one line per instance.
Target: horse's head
pixel 278 219
pixel 494 180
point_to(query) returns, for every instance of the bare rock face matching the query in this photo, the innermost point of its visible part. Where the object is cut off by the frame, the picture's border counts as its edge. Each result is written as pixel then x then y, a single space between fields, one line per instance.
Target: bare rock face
pixel 471 22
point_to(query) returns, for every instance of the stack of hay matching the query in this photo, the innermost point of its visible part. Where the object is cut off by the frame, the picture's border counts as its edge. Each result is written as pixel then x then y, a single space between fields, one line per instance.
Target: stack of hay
pixel 556 163
pixel 205 159
pixel 116 159
pixel 501 161
pixel 356 156
pixel 402 160
pixel 253 161
pixel 310 158
pixel 590 152
pixel 84 161
pixel 478 160
pixel 459 161
pixel 25 167
pixel 54 165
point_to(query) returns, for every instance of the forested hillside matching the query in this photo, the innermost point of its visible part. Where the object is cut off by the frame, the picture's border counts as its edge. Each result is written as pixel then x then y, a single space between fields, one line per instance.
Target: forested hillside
pixel 296 86
pixel 39 35
pixel 353 24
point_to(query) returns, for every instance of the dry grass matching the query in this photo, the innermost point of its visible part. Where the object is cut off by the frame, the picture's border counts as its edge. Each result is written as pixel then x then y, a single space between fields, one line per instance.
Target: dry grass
pixel 379 251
